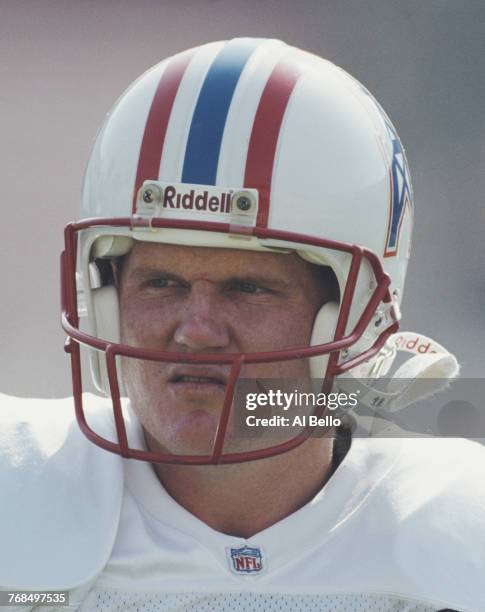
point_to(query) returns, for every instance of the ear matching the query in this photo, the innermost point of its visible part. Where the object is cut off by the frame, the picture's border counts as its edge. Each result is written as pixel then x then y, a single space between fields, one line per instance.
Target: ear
pixel 323 331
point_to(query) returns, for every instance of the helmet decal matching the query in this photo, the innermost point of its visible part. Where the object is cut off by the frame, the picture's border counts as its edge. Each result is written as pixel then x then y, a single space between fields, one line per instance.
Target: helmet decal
pixel 401 194
pixel 210 114
pixel 157 121
pixel 264 136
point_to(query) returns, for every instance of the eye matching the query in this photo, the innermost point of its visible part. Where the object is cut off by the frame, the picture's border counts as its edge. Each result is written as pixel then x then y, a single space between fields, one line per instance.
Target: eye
pixel 160 283
pixel 247 287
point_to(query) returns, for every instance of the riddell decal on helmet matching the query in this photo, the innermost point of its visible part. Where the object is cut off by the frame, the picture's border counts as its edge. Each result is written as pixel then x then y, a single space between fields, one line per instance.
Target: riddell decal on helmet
pixel 191 200
pixel 245 560
pixel 157 198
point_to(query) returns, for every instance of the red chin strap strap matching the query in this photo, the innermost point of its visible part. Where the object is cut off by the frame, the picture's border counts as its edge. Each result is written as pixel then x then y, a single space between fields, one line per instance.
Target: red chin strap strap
pixel 76 337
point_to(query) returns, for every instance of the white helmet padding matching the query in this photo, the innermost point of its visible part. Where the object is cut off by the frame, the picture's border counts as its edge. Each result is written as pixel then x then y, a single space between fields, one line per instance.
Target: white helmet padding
pixel 323 331
pixel 107 312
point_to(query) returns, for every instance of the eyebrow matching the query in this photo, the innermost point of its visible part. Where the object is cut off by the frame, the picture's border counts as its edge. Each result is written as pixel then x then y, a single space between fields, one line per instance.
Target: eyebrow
pixel 258 279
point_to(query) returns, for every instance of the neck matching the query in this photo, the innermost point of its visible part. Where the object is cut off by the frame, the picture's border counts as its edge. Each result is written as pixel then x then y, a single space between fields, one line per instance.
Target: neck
pixel 243 499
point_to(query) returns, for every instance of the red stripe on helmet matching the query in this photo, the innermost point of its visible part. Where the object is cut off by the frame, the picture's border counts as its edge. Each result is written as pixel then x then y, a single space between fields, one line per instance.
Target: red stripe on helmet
pixel 265 133
pixel 157 121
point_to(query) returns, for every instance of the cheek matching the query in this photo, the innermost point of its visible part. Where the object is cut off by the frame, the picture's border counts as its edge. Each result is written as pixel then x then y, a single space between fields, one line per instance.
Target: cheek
pixel 143 324
pixel 285 327
pixel 142 381
pixel 138 375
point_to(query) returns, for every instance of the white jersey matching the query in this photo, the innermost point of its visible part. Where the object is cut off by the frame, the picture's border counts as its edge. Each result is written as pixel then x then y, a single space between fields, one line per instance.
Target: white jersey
pixel 399 526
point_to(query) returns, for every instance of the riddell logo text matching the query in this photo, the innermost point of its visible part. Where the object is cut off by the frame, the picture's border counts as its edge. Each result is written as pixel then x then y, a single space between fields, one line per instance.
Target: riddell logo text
pixel 192 200
pixel 414 345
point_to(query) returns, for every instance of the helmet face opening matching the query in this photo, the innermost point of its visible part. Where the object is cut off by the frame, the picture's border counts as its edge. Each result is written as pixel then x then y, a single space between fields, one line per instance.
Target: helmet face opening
pixel 109 352
pixel 248 145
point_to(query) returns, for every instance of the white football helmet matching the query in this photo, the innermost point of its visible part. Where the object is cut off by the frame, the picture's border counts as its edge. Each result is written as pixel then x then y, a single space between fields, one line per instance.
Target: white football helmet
pixel 246 144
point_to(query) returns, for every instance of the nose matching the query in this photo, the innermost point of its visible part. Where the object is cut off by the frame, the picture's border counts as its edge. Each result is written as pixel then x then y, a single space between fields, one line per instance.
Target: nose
pixel 202 324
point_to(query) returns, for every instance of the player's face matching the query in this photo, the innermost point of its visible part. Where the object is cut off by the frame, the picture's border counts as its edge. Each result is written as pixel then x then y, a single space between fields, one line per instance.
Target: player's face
pixel 197 300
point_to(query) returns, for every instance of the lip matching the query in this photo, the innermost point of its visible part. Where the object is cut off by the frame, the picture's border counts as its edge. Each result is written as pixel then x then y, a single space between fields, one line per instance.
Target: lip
pixel 214 376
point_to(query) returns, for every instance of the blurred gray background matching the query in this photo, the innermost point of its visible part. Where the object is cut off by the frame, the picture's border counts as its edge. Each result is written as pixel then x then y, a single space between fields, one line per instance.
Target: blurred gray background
pixel 65 62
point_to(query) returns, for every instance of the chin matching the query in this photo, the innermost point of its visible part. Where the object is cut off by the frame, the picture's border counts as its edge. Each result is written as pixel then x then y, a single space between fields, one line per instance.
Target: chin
pixel 190 432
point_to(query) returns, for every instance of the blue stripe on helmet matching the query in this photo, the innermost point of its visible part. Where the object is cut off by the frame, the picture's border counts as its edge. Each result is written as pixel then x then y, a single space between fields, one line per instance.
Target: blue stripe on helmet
pixel 210 114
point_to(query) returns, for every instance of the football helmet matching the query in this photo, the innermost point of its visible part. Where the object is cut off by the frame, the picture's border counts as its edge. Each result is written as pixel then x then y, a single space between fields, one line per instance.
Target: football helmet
pixel 243 144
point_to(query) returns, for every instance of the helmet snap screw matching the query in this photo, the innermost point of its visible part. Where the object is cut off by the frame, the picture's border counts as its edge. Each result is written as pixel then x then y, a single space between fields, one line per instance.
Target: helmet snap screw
pixel 148 196
pixel 243 203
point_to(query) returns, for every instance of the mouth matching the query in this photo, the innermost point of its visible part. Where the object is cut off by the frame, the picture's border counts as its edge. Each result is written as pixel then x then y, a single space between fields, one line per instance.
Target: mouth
pixel 198 379
pixel 184 378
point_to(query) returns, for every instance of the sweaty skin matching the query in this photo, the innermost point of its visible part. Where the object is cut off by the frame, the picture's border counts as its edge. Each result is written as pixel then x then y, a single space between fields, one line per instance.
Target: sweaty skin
pixel 196 299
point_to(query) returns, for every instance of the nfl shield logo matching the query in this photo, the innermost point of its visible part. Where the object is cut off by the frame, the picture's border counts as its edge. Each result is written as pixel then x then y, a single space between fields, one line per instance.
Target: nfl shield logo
pixel 246 560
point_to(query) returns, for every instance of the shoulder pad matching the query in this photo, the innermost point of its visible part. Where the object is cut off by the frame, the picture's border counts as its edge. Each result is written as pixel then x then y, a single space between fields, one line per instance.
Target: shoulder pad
pixel 438 491
pixel 61 494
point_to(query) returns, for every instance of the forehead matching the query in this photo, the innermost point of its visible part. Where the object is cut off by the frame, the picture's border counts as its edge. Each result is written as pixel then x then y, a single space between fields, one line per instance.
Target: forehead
pixel 216 263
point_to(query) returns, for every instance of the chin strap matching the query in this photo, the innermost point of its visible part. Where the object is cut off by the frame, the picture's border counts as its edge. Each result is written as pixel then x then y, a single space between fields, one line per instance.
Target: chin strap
pixel 430 361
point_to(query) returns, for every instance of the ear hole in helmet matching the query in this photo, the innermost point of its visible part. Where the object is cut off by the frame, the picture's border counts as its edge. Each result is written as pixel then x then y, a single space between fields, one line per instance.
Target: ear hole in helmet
pixel 105 270
pixel 330 282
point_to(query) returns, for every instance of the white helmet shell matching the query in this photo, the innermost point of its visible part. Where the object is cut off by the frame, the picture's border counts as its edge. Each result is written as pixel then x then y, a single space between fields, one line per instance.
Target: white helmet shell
pixel 306 142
